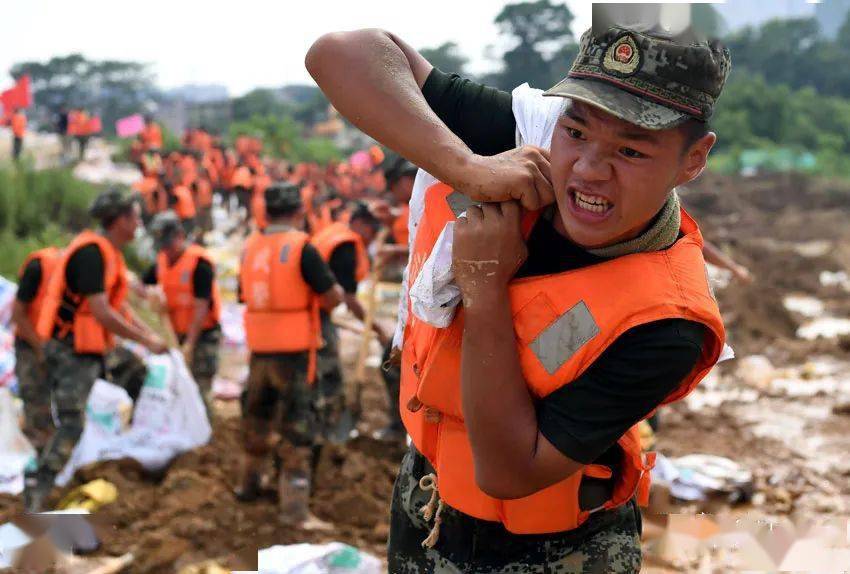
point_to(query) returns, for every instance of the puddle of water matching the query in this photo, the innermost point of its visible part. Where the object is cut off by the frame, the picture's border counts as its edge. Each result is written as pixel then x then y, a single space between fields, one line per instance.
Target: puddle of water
pixel 804 305
pixel 826 327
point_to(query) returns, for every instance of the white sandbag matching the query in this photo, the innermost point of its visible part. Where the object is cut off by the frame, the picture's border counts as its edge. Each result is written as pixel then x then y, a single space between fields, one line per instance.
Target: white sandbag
pixel 169 418
pixel 15 450
pixel 333 558
pixel 103 426
pixel 233 324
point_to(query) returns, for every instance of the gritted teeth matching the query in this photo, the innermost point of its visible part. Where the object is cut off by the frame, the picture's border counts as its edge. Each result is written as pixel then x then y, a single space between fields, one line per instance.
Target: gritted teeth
pixel 594 203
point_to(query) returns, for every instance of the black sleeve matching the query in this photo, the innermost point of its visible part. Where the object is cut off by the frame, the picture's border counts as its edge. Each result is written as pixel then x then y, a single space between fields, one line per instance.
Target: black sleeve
pixel 315 271
pixel 479 115
pixel 29 281
pixel 202 279
pixel 84 273
pixel 149 278
pixel 631 378
pixel 343 263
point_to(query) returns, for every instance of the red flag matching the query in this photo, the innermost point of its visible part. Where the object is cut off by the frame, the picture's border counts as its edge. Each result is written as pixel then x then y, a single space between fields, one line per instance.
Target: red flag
pixel 18 97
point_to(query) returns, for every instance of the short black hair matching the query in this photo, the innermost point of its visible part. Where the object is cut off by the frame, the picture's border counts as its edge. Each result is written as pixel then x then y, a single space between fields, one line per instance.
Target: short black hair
pixel 106 222
pixel 277 211
pixel 694 130
pixel 361 212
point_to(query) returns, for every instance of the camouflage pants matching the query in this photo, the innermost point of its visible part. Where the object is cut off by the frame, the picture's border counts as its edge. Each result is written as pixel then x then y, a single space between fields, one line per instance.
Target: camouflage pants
pixel 204 364
pixel 330 391
pixel 70 378
pixel 609 542
pixel 278 398
pixel 35 394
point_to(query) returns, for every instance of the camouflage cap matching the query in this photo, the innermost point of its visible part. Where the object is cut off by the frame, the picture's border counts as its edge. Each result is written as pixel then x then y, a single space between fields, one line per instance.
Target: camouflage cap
pixel 165 227
pixel 283 196
pixel 111 203
pixel 644 79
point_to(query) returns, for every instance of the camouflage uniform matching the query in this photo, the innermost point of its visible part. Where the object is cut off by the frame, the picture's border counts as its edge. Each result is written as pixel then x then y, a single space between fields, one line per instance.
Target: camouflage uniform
pixel 608 543
pixel 127 370
pixel 330 391
pixel 205 362
pixel 278 398
pixel 35 394
pixel 70 378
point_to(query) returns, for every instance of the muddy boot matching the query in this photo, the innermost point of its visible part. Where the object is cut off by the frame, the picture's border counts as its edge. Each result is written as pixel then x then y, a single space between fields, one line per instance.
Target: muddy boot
pixel 294 503
pixel 249 484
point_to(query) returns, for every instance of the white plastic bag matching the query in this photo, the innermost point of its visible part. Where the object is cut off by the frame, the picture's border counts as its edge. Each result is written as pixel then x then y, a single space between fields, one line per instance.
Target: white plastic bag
pixel 15 450
pixel 333 558
pixel 434 295
pixel 169 418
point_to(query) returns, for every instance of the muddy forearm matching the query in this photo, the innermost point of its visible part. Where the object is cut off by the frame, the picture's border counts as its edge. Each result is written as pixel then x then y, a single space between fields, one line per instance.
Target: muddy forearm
pixel 375 80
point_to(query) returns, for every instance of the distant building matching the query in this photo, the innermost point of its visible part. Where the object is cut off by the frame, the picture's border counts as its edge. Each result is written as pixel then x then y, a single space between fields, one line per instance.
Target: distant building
pixel 831 14
pixel 179 114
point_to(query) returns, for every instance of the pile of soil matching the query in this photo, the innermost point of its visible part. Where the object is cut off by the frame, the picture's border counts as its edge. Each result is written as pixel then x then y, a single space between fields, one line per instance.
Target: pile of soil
pixel 189 514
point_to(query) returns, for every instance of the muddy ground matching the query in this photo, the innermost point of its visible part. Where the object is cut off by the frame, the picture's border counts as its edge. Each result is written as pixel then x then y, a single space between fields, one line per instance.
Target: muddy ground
pixel 786 229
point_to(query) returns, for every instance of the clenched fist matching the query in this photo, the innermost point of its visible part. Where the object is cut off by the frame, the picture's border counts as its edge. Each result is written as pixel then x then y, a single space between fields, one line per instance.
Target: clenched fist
pixel 487 250
pixel 522 174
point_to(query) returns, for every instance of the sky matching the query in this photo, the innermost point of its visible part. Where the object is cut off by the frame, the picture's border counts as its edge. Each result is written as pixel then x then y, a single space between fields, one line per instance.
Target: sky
pixel 243 44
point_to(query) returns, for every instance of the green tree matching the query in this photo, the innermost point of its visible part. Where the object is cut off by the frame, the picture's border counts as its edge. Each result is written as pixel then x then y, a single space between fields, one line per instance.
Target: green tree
pixel 540 31
pixel 447 57
pixel 258 102
pixel 110 88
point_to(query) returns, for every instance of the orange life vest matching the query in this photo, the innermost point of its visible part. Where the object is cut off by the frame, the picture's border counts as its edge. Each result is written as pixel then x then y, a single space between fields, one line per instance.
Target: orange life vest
pixel 151 136
pixel 185 206
pixel 562 324
pixel 48 258
pixel 258 211
pixel 242 177
pixel 147 188
pixel 89 335
pixel 334 235
pixel 19 124
pixel 281 310
pixel 177 281
pixel 400 231
pixel 203 193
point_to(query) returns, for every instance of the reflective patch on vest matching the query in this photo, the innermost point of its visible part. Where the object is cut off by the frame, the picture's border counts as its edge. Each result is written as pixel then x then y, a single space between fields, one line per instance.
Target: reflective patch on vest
pixel 284 253
pixel 459 203
pixel 563 338
pixel 184 277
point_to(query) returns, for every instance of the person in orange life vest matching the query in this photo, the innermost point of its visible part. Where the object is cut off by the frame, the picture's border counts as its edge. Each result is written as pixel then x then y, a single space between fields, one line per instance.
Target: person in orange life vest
pixel 151 135
pixel 81 132
pixel 33 279
pixel 184 275
pixel 283 282
pixel 400 175
pixel 202 194
pixel 180 200
pixel 344 247
pixel 19 128
pixel 529 400
pixel 83 310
